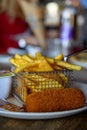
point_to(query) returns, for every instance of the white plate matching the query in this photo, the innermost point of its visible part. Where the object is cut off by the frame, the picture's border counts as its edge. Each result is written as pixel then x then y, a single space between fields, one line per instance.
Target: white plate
pixel 4 58
pixel 48 115
pixel 80 59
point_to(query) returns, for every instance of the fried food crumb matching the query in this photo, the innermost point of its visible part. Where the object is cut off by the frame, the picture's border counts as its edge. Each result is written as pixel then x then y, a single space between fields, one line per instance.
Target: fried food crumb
pixel 57 99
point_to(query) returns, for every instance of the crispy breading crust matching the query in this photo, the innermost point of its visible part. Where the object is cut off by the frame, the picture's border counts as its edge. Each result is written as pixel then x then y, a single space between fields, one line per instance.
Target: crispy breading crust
pixel 58 99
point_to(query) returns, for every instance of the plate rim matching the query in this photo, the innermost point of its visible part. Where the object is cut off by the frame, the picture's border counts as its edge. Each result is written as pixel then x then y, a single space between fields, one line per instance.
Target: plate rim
pixel 42 115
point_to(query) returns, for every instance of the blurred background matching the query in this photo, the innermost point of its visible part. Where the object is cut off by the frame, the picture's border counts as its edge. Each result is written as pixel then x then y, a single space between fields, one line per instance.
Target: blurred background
pixel 49 26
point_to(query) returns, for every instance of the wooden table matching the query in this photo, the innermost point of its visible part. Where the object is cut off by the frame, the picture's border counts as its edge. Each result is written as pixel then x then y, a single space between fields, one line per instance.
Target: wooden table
pixel 75 122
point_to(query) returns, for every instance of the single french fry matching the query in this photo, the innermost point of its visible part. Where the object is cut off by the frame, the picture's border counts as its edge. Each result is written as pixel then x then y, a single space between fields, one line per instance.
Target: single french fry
pixel 68 65
pixel 64 78
pixel 56 67
pixel 29 82
pixel 59 57
pixel 18 69
pixel 13 62
pixel 50 60
pixel 27 58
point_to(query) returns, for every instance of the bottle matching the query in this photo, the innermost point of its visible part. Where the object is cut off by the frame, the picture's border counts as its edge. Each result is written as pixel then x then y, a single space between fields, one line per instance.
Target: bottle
pixel 67 25
pixel 51 23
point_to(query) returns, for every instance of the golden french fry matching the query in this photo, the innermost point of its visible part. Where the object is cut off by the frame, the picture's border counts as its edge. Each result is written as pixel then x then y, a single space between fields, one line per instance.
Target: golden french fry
pixel 59 57
pixel 31 69
pixel 41 63
pixel 27 58
pixel 38 55
pixel 45 85
pixel 56 67
pixel 38 61
pixel 17 56
pixel 18 69
pixel 25 67
pixel 67 65
pixel 50 60
pixel 21 62
pixel 29 82
pixel 45 66
pixel 31 57
pixel 64 79
pixel 13 62
pixel 18 61
pixel 36 77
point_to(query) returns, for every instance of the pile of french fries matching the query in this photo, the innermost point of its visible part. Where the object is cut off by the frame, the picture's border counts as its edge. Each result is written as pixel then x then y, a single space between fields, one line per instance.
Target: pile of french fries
pixel 39 73
pixel 40 63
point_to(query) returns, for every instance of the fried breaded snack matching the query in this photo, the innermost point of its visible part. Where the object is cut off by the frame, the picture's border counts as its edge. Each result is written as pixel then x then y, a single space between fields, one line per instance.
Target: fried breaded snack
pixel 57 99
